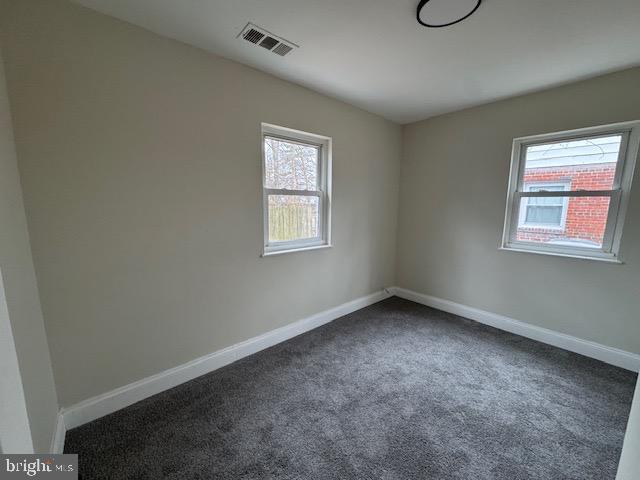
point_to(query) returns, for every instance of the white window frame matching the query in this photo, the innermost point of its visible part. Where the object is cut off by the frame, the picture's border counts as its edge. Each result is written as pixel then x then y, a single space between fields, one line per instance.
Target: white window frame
pixel 323 144
pixel 566 186
pixel 618 195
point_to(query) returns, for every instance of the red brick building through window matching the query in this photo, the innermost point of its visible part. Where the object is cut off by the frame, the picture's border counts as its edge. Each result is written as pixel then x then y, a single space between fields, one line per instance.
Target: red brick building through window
pixel 568 166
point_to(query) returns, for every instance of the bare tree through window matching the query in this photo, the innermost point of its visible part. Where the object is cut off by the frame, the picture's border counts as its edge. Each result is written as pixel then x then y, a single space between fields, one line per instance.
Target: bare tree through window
pixel 291 166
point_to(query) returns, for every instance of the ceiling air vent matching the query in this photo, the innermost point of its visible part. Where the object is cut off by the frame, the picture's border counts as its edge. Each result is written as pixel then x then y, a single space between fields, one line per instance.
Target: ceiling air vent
pixel 259 36
pixel 269 43
pixel 252 35
pixel 282 49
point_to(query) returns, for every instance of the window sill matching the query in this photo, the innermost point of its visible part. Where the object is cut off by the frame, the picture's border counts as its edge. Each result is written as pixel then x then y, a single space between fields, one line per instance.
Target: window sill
pixel 606 258
pixel 294 250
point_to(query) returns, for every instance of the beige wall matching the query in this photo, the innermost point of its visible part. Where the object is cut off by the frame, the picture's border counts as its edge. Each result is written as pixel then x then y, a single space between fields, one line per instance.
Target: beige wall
pixel 140 161
pixel 453 189
pixel 22 302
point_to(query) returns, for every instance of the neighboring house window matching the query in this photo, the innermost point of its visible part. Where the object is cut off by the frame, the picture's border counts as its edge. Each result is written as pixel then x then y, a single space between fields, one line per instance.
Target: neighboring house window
pixel 541 212
pixel 296 178
pixel 568 191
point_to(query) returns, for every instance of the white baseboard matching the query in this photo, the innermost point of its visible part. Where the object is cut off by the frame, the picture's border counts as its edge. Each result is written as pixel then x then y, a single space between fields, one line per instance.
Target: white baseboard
pixel 613 356
pixel 57 442
pixel 109 402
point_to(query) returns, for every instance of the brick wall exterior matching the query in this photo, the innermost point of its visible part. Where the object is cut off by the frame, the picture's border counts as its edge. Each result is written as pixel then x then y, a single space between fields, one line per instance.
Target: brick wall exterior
pixel 586 216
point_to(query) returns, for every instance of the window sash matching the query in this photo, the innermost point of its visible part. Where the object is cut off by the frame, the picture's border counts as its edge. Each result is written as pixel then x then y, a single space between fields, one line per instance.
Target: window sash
pixel 614 202
pixel 551 138
pixel 296 193
pixel 319 155
pixel 618 195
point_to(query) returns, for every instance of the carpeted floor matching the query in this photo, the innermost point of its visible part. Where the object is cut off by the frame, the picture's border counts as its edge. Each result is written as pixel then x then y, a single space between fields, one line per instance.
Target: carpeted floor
pixel 394 391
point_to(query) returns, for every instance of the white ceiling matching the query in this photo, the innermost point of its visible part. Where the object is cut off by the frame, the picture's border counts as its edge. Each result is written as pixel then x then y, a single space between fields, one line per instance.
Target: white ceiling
pixel 373 53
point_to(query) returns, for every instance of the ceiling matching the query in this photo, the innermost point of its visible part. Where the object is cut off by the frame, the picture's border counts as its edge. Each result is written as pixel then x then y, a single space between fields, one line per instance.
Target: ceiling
pixel 373 53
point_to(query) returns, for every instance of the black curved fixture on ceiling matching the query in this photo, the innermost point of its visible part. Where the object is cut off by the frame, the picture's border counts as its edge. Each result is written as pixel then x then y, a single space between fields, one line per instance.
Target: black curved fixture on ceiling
pixel 472 7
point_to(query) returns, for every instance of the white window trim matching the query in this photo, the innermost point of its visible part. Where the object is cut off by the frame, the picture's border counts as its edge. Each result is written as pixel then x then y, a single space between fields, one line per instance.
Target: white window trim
pixel 619 194
pixel 541 226
pixel 324 144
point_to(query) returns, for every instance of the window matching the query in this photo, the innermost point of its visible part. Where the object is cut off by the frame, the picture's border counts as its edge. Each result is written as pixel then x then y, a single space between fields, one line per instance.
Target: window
pixel 568 191
pixel 296 189
pixel 540 212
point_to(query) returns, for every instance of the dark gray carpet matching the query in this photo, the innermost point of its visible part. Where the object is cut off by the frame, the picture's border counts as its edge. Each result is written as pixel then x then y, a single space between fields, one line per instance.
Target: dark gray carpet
pixel 393 391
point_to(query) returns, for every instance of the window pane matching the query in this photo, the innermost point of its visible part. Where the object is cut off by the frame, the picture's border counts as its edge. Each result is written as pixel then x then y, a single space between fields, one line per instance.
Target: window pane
pixel 290 166
pixel 550 215
pixel 293 217
pixel 584 222
pixel 585 164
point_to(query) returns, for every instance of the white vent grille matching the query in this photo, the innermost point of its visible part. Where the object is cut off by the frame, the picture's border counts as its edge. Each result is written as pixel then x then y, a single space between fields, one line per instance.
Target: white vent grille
pixel 252 35
pixel 267 40
pixel 282 49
